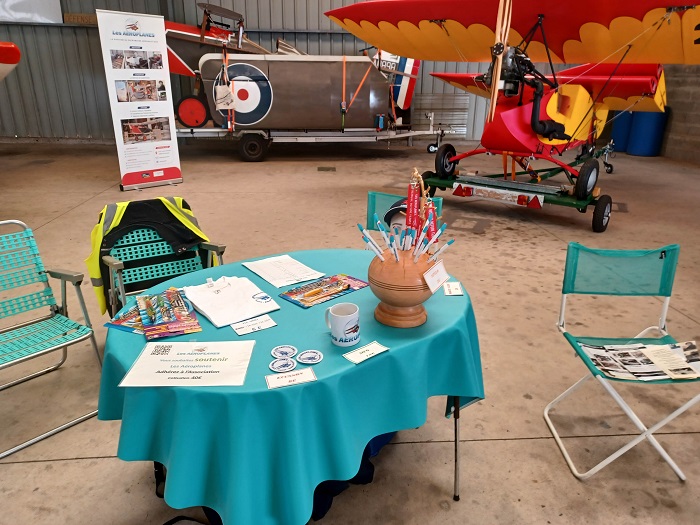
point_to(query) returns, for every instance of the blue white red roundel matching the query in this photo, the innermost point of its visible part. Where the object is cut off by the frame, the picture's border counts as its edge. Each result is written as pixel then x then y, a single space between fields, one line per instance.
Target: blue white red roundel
pixel 252 93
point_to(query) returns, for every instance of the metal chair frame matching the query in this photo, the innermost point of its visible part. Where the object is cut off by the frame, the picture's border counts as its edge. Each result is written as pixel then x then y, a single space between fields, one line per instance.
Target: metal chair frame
pixel 645 432
pixel 21 265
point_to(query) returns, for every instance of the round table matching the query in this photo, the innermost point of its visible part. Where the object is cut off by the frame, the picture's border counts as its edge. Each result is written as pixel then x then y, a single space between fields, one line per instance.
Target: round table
pixel 255 455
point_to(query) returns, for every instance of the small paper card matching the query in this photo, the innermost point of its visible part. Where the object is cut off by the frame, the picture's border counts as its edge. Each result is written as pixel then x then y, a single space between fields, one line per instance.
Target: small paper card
pixel 436 276
pixel 453 288
pixel 253 325
pixel 365 352
pixel 294 377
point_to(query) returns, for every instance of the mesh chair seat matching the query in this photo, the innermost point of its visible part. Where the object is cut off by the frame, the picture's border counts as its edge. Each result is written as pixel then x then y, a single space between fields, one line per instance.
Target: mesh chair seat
pixel 39 338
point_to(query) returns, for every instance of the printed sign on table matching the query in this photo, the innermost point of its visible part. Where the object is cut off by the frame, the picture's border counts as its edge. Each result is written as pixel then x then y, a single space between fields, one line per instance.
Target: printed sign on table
pixel 138 83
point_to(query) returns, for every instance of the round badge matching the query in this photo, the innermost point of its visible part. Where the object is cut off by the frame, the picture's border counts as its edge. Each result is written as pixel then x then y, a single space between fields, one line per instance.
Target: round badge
pixel 310 357
pixel 252 93
pixel 283 364
pixel 284 351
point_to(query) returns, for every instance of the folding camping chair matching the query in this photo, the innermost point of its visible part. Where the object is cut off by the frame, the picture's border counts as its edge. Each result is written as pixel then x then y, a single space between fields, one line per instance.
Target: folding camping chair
pixel 33 323
pixel 647 273
pixel 135 255
pixel 380 203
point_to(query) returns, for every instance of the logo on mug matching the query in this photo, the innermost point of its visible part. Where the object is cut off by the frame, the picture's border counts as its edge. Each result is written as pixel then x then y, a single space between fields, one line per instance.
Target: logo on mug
pixel 351 333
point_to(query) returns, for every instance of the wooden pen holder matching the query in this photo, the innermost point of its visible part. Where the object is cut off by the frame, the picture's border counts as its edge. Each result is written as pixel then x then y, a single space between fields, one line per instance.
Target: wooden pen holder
pixel 400 288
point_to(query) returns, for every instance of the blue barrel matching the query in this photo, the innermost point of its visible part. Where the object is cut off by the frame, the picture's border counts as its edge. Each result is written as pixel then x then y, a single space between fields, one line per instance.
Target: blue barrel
pixel 621 130
pixel 647 133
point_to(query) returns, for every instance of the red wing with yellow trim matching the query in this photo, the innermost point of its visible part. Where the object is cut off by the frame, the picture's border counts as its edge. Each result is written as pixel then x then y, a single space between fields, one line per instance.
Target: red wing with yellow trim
pixel 599 31
pixel 622 87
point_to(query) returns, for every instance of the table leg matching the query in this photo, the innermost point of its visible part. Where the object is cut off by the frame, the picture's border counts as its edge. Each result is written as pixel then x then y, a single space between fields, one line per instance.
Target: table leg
pixel 455 415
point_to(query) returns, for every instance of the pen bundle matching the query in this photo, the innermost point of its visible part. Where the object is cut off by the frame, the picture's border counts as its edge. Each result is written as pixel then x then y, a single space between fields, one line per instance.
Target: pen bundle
pixel 420 234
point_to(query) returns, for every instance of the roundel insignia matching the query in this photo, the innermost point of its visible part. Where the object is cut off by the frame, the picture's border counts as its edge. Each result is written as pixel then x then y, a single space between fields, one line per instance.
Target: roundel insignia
pixel 252 93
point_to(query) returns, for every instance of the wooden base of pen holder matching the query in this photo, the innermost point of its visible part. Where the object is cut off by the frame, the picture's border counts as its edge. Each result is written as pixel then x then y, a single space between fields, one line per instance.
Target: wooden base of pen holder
pixel 401 289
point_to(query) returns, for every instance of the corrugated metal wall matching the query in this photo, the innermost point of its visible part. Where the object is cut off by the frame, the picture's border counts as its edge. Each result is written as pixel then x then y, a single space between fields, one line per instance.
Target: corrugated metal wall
pixel 58 90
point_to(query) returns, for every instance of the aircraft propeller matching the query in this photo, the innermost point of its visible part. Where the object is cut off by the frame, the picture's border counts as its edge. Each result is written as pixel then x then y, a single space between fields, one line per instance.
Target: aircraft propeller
pixel 505 11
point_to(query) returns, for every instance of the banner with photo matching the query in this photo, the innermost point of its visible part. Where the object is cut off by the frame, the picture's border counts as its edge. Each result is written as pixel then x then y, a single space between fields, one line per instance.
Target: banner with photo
pixel 138 82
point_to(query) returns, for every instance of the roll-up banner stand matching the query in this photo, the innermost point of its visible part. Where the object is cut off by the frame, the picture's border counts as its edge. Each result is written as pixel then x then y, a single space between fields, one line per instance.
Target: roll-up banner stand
pixel 138 83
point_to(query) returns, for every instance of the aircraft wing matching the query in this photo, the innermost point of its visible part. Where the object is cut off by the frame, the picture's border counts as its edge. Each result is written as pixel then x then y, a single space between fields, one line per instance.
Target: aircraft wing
pixel 9 58
pixel 624 87
pixel 598 31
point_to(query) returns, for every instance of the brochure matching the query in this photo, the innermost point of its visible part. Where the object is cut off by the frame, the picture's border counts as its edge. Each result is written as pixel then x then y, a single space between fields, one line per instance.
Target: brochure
pixel 129 321
pixel 166 314
pixel 643 362
pixel 323 290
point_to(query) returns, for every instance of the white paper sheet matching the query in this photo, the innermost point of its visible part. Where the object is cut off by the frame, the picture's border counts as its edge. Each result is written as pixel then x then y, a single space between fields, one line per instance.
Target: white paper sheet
pixel 221 363
pixel 282 270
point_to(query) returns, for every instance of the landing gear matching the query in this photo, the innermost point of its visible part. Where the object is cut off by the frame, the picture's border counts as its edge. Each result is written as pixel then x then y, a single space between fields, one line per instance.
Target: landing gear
pixel 601 213
pixel 608 167
pixel 587 179
pixel 443 167
pixel 253 147
pixel 432 148
pixel 192 112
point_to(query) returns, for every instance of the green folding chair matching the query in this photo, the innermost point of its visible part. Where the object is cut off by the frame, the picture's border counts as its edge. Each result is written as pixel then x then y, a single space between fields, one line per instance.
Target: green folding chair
pixel 33 323
pixel 641 273
pixel 380 203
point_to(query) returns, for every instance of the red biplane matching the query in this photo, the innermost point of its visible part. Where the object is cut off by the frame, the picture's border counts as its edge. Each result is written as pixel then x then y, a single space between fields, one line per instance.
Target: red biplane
pixel 533 115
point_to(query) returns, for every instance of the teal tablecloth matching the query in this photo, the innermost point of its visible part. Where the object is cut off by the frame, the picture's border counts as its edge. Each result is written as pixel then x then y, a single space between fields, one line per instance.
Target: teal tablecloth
pixel 255 455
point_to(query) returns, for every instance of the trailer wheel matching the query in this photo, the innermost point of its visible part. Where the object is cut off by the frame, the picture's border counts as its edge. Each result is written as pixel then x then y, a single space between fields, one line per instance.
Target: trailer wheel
pixel 253 147
pixel 443 167
pixel 432 148
pixel 608 167
pixel 601 213
pixel 587 179
pixel 191 112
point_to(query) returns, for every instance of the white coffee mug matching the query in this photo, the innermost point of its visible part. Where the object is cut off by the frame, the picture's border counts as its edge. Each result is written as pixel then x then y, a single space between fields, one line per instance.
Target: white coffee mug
pixel 344 321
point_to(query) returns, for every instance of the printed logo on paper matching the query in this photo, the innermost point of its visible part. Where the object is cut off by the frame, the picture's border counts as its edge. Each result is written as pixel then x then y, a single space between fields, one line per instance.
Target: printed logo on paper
pixel 262 297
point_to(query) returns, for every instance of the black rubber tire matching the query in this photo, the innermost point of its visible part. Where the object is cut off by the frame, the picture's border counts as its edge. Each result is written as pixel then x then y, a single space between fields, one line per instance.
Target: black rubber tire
pixel 601 213
pixel 443 167
pixel 253 147
pixel 587 179
pixel 608 167
pixel 432 147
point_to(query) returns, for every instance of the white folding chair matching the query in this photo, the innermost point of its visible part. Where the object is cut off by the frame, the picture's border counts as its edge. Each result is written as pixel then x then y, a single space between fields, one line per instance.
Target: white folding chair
pixel 647 273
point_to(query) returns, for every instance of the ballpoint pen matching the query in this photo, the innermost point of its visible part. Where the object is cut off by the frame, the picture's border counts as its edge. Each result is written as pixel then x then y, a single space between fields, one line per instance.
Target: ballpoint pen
pixel 420 239
pixel 382 230
pixel 434 256
pixel 372 247
pixel 369 237
pixel 420 251
pixel 435 238
pixel 392 245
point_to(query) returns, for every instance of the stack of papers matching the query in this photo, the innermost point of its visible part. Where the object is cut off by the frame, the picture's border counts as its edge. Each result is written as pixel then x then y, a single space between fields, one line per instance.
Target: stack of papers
pixel 282 270
pixel 229 300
